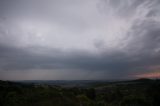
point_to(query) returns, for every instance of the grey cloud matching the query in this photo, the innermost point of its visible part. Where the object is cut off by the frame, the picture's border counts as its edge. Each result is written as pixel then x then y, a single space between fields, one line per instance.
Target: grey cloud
pixel 116 64
pixel 141 50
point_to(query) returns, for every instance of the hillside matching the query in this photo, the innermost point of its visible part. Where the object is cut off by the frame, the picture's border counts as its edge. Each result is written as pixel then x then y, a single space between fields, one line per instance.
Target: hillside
pixel 142 92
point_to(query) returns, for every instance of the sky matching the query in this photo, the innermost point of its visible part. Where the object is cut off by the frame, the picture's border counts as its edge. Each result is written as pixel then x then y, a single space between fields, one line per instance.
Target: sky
pixel 79 39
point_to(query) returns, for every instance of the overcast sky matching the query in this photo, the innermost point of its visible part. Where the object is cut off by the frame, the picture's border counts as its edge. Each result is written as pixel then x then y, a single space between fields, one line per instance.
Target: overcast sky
pixel 79 39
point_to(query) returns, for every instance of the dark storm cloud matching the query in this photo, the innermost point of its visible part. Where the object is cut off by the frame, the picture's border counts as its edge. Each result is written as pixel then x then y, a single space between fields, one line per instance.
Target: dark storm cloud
pixel 116 64
pixel 140 48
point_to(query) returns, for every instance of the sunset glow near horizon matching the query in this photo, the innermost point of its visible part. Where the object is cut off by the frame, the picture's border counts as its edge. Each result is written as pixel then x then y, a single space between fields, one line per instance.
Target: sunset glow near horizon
pixel 79 39
pixel 154 74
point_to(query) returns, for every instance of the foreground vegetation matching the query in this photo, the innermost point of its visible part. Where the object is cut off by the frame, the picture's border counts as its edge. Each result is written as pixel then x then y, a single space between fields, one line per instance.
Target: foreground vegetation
pixel 142 92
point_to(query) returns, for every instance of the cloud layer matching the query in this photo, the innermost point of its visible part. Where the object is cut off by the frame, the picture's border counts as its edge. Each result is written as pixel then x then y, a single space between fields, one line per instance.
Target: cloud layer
pixel 101 39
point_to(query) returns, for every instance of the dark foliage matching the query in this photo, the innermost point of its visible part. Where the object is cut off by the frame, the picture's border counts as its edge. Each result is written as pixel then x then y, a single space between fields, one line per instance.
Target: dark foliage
pixel 130 93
